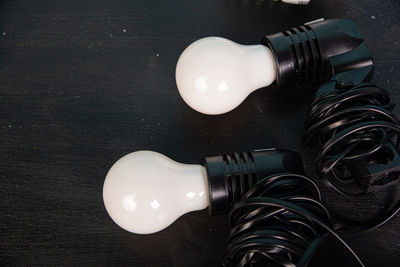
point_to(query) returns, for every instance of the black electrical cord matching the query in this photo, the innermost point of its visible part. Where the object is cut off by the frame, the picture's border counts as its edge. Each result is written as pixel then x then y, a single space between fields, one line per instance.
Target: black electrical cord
pixel 353 125
pixel 276 221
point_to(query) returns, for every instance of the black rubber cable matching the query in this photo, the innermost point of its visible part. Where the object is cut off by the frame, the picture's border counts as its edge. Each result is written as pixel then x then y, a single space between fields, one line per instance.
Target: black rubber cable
pixel 276 221
pixel 349 125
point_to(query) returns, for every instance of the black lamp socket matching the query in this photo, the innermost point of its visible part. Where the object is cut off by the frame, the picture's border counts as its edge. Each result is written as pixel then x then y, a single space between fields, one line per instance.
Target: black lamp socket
pixel 230 176
pixel 316 51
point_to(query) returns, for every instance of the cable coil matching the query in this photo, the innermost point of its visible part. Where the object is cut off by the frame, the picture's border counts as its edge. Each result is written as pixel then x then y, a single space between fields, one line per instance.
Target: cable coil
pixel 359 136
pixel 351 125
pixel 276 221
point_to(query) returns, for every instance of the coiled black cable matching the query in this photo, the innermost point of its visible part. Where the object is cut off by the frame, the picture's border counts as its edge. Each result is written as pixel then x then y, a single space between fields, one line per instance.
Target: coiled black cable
pixel 276 222
pixel 349 125
pixel 354 125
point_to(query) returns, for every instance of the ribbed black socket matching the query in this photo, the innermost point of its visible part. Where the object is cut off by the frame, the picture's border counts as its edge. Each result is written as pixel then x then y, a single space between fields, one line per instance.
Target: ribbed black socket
pixel 317 51
pixel 230 176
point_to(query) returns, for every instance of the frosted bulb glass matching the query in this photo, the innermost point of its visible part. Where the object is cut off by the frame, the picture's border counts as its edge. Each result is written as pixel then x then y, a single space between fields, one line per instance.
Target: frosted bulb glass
pixel 214 75
pixel 296 2
pixel 144 191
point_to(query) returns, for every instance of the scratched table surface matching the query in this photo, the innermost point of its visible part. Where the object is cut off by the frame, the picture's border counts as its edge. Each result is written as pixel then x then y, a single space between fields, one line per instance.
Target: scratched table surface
pixel 85 82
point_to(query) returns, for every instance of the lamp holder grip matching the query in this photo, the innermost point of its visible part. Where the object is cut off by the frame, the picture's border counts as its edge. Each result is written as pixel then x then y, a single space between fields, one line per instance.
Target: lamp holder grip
pixel 316 51
pixel 230 176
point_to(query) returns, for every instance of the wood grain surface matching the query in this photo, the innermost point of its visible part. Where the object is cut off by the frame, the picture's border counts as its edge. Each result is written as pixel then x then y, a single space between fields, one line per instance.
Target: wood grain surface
pixel 85 82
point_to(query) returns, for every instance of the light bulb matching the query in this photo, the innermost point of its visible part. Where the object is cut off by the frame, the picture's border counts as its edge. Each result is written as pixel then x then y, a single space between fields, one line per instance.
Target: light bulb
pixel 144 191
pixel 296 2
pixel 214 75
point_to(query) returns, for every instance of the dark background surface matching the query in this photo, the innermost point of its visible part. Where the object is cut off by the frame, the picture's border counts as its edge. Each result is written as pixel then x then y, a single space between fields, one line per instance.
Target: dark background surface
pixel 83 83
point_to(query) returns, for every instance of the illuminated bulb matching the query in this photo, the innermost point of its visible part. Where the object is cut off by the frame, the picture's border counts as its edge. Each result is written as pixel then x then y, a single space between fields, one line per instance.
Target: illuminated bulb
pixel 144 191
pixel 214 75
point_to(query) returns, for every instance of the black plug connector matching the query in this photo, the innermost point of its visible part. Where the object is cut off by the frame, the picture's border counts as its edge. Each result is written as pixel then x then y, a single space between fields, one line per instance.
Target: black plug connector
pixel 377 171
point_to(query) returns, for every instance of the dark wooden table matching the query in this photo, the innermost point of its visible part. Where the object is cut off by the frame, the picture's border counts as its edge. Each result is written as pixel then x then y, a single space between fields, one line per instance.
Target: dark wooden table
pixel 85 82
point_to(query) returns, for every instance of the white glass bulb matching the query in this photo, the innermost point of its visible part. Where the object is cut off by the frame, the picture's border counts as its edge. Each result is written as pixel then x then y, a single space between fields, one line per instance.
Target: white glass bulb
pixel 144 191
pixel 296 2
pixel 214 75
